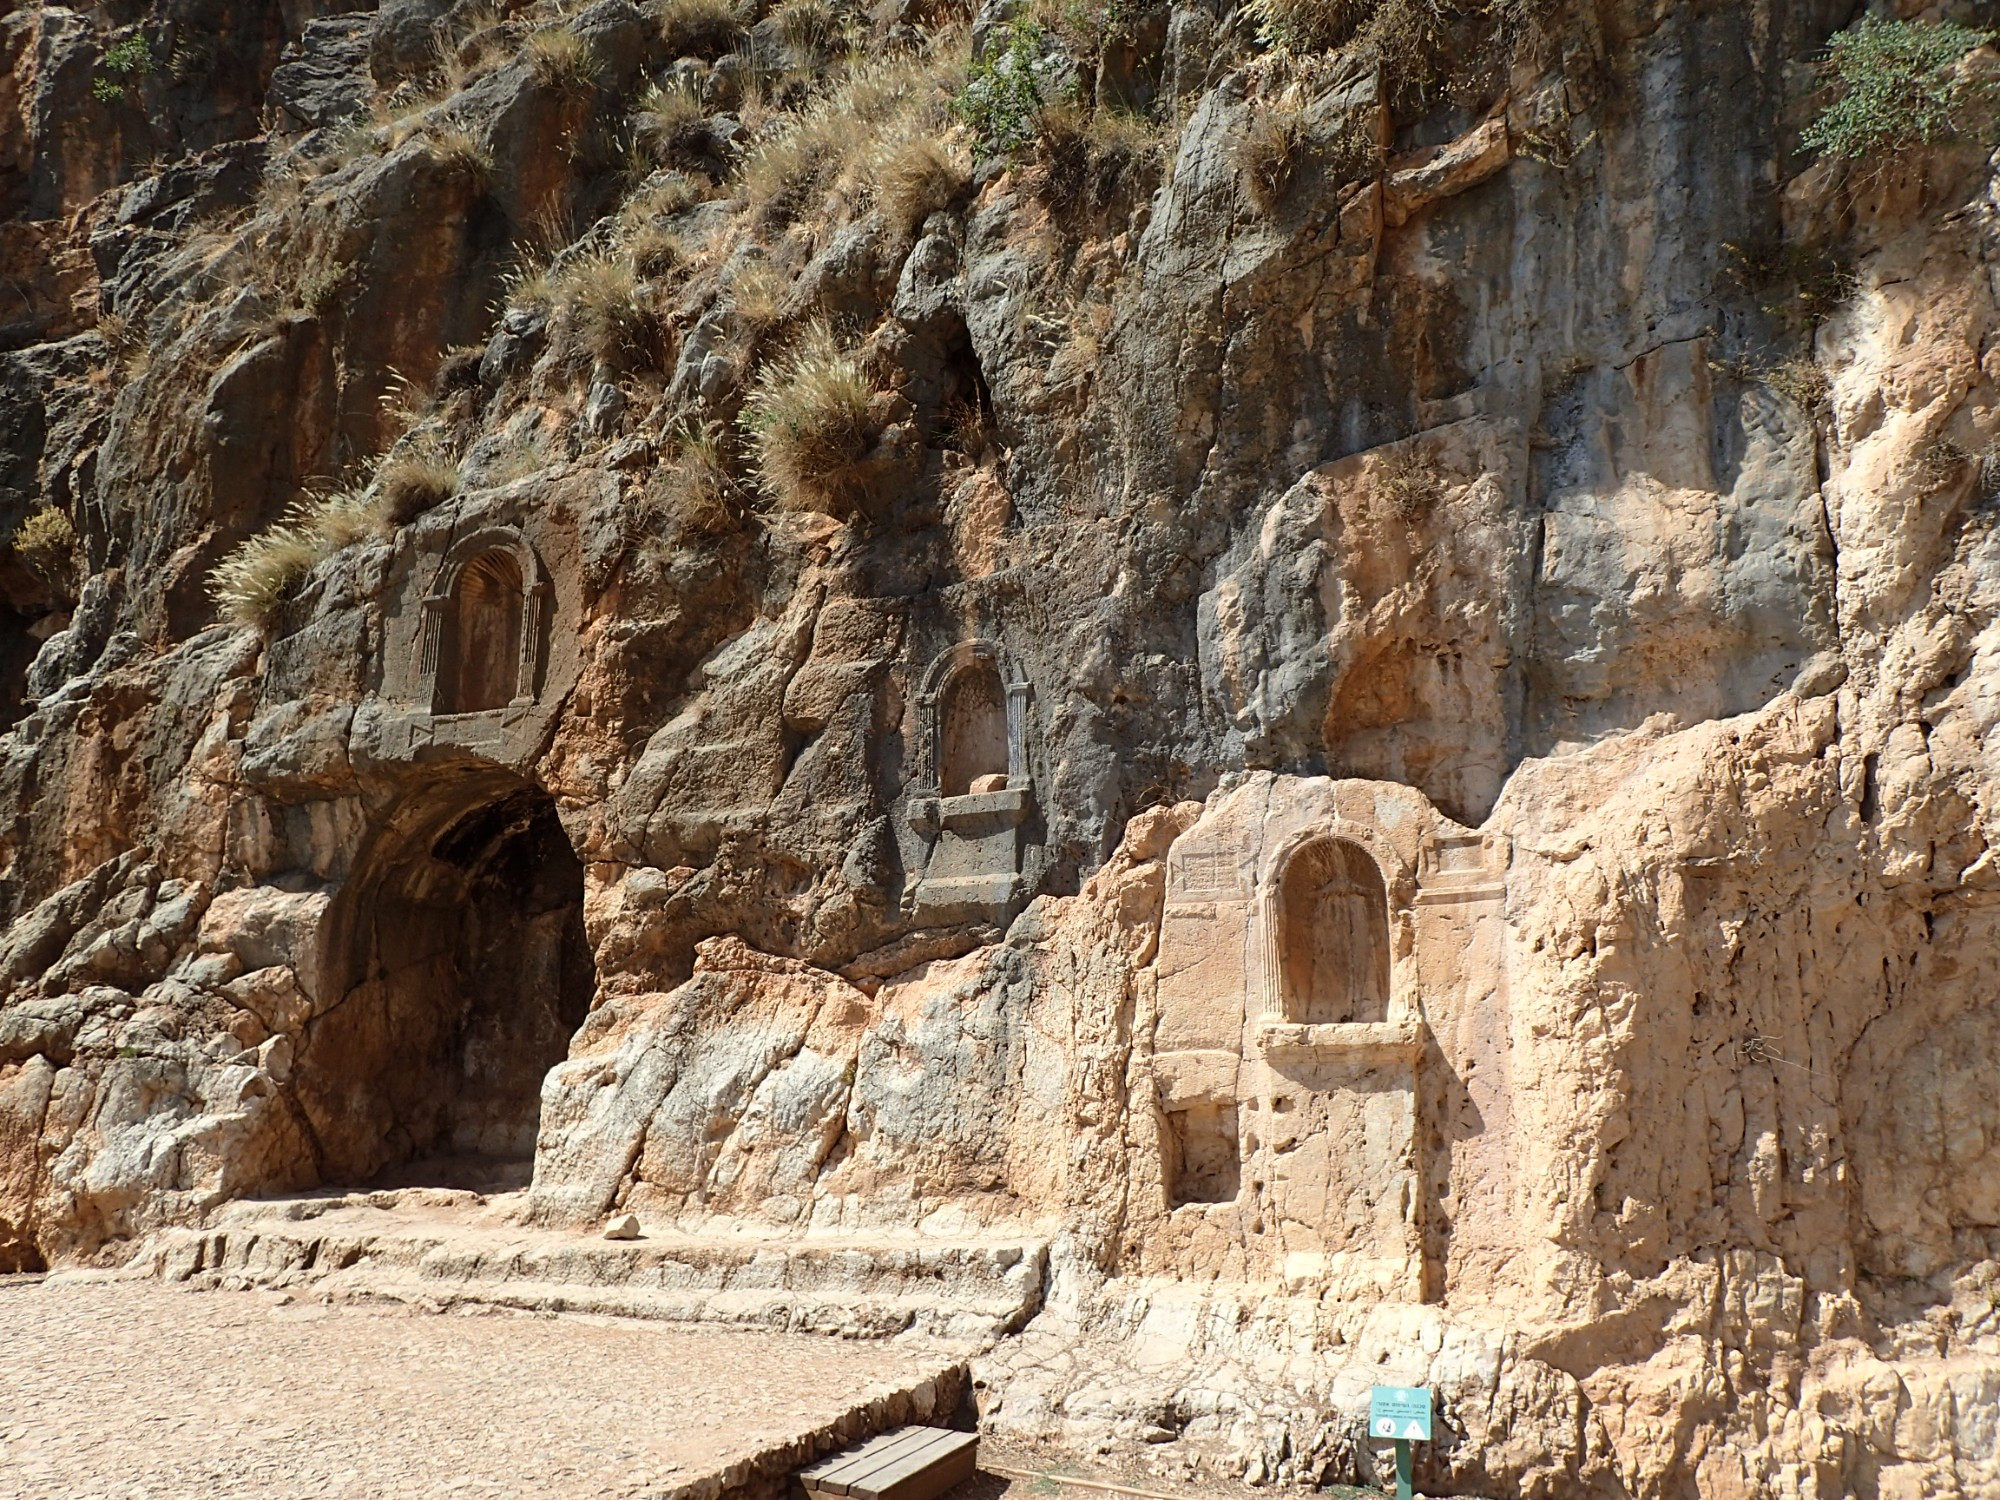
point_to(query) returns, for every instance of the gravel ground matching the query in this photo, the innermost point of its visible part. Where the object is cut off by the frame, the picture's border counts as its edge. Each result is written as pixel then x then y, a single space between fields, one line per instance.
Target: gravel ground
pixel 129 1389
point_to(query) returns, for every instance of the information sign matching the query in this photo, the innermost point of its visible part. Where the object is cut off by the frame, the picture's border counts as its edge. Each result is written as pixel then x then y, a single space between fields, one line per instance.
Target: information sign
pixel 1400 1411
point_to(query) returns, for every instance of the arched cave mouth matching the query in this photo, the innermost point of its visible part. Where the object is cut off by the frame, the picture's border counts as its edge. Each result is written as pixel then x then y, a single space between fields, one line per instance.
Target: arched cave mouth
pixel 463 971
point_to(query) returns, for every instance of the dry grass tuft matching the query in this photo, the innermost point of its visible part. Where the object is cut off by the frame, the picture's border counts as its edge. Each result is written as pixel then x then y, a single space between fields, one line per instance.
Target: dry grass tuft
pixel 1799 381
pixel 672 121
pixel 1091 156
pixel 916 174
pixel 1412 484
pixel 561 59
pixel 1266 151
pixel 833 148
pixel 1312 25
pixel 656 250
pixel 809 27
pixel 693 490
pixel 48 543
pixel 808 424
pixel 260 573
pixel 1942 464
pixel 698 28
pixel 455 146
pixel 757 291
pixel 414 482
pixel 603 289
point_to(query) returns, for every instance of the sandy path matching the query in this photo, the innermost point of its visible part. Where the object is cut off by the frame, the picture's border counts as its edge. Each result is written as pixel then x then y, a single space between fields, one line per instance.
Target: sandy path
pixel 132 1389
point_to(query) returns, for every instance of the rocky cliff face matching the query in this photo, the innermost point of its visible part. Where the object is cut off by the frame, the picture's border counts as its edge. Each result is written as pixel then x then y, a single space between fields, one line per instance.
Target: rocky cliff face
pixel 1342 657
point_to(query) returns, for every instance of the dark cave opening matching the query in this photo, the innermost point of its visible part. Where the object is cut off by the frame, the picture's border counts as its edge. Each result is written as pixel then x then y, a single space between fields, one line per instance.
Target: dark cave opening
pixel 467 971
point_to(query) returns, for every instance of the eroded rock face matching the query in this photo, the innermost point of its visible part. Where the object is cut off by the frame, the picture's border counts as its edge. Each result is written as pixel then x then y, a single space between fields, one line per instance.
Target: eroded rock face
pixel 1393 760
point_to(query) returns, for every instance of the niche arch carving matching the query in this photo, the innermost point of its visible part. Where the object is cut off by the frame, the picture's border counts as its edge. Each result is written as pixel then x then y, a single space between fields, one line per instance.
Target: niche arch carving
pixel 972 704
pixel 481 644
pixel 1332 931
pixel 1334 920
pixel 973 789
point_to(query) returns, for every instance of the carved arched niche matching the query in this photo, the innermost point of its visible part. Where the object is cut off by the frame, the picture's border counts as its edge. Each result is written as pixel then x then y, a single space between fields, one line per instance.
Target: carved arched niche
pixel 482 626
pixel 972 735
pixel 1332 932
pixel 971 793
pixel 973 710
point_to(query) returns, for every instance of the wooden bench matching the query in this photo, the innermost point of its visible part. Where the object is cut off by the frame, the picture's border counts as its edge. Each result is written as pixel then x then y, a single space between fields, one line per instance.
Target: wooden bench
pixel 909 1463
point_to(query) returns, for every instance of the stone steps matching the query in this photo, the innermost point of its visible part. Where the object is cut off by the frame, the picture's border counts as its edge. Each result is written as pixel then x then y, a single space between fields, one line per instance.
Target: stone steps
pixel 971 1291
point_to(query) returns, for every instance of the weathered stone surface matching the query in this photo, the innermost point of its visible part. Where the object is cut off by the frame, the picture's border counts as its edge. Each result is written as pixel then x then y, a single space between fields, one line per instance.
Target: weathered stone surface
pixel 1390 772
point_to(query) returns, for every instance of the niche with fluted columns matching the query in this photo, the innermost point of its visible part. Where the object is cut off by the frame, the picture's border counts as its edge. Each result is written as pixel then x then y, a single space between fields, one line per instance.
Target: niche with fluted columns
pixel 972 792
pixel 472 660
pixel 1290 1030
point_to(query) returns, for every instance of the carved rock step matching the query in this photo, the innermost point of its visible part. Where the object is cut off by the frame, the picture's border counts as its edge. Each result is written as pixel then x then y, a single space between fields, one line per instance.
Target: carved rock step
pixel 962 1290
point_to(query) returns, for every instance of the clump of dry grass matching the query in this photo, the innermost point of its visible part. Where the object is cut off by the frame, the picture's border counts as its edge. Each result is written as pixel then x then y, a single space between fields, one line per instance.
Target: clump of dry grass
pixel 1419 45
pixel 1943 464
pixel 1279 142
pixel 261 572
pixel 1799 381
pixel 47 542
pixel 1312 25
pixel 663 196
pixel 672 121
pixel 1266 151
pixel 833 147
pixel 808 423
pixel 916 173
pixel 1412 484
pixel 698 28
pixel 809 27
pixel 756 290
pixel 476 44
pixel 455 146
pixel 413 482
pixel 693 489
pixel 561 59
pixel 966 426
pixel 655 250
pixel 602 288
pixel 1090 156
pixel 318 285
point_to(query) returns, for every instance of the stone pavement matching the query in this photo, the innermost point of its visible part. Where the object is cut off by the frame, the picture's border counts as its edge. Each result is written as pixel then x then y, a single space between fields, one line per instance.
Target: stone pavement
pixel 132 1389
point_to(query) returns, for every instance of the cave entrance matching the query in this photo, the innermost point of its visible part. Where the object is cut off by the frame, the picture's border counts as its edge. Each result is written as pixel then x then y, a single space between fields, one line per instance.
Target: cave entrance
pixel 463 970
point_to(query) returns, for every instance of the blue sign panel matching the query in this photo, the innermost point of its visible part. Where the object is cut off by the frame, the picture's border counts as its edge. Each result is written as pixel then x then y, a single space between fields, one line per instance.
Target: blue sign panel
pixel 1400 1411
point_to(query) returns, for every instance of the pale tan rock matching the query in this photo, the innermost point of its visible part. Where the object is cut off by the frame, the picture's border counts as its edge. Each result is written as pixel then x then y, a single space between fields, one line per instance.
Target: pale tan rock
pixel 623 1227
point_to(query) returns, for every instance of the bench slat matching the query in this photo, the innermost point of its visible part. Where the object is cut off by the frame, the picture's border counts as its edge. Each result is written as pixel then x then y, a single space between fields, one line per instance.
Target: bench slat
pixel 833 1476
pixel 923 1473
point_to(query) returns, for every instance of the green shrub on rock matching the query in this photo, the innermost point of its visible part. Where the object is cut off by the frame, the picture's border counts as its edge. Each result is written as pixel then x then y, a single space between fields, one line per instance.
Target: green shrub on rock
pixel 1895 85
pixel 1008 86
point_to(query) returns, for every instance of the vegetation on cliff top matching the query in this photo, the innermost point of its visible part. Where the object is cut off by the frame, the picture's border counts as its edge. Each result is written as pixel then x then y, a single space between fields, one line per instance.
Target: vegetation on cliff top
pixel 1896 85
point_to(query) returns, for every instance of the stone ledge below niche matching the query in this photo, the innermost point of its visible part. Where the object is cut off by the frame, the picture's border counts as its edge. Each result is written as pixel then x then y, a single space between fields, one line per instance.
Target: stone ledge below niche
pixel 1346 1039
pixel 962 897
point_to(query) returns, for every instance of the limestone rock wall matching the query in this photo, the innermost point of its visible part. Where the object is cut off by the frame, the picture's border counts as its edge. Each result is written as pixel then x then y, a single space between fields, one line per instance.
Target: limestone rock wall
pixel 1393 759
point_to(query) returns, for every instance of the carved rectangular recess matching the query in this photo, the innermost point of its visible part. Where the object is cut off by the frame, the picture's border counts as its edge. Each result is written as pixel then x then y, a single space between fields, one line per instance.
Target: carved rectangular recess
pixel 1204 1158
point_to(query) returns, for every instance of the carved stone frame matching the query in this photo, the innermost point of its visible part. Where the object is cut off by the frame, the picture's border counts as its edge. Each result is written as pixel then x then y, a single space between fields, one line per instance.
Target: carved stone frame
pixel 1398 1034
pixel 437 603
pixel 938 677
pixel 929 810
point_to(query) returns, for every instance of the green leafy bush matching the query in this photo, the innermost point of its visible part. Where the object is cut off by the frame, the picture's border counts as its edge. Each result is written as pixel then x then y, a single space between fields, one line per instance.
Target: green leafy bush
pixel 1008 86
pixel 1895 85
pixel 124 64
